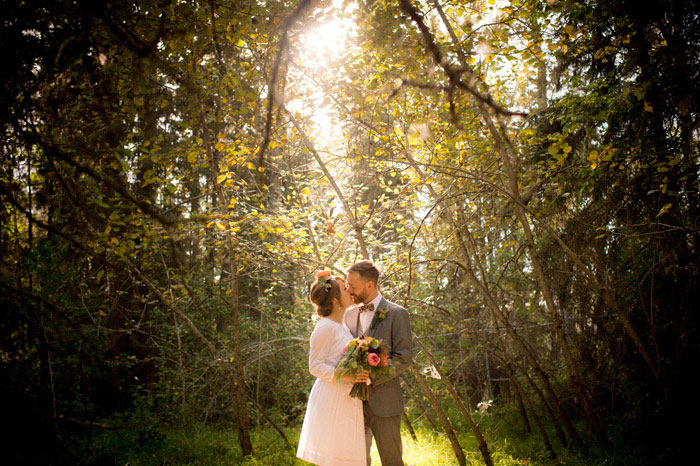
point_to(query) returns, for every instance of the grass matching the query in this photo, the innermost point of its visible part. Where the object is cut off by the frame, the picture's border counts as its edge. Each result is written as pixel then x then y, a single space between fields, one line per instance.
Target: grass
pixel 508 443
pixel 200 446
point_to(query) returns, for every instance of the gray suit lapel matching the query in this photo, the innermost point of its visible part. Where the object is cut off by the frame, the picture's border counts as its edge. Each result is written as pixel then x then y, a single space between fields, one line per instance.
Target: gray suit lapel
pixel 383 304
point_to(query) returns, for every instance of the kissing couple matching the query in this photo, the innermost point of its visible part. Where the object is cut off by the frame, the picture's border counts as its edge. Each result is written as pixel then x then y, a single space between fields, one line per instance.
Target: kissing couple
pixel 337 428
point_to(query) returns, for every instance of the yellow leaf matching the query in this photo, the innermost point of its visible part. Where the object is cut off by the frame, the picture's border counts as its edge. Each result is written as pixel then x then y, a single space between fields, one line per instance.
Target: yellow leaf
pixel 221 178
pixel 664 209
pixel 220 226
pixel 100 274
pixel 648 107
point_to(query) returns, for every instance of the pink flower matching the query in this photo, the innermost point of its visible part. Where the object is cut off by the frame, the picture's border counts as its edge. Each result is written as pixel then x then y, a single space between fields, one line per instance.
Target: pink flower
pixel 373 359
pixel 345 350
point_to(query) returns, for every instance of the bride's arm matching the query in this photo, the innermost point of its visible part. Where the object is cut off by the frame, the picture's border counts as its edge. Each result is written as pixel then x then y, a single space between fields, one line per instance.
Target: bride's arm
pixel 321 344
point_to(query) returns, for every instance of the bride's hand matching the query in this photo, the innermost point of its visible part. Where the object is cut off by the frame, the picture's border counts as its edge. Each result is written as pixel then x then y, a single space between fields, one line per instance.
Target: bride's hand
pixel 361 377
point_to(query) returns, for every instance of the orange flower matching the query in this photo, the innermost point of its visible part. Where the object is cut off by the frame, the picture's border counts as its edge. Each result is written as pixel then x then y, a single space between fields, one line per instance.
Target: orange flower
pixel 385 359
pixel 323 273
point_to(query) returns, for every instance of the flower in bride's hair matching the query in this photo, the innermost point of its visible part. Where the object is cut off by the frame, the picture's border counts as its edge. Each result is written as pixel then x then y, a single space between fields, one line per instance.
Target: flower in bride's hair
pixel 324 278
pixel 373 359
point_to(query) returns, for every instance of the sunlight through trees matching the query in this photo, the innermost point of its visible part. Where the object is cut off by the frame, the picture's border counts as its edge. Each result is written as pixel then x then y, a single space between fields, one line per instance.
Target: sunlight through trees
pixel 524 171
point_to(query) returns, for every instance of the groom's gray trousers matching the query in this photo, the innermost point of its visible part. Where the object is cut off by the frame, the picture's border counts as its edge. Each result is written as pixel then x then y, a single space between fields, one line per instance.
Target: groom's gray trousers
pixel 387 433
pixel 384 407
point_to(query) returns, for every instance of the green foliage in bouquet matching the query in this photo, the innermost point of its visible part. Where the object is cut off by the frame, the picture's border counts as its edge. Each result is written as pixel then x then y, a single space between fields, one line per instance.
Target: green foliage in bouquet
pixel 365 354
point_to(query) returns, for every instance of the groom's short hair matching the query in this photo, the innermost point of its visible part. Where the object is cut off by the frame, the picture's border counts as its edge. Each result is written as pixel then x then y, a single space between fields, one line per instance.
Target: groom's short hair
pixel 366 269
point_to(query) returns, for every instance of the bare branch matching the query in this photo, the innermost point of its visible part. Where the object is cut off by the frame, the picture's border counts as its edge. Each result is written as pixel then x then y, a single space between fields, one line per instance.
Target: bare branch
pixel 453 73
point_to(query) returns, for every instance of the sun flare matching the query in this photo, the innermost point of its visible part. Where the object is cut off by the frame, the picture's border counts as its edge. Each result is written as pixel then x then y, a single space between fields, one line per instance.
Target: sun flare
pixel 326 40
pixel 328 32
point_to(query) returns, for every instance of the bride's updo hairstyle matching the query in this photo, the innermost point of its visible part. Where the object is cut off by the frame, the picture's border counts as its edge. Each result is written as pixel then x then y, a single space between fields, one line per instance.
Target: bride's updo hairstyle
pixel 321 295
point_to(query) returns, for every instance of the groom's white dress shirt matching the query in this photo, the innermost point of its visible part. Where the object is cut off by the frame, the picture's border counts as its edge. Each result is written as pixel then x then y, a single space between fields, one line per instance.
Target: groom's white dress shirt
pixel 366 317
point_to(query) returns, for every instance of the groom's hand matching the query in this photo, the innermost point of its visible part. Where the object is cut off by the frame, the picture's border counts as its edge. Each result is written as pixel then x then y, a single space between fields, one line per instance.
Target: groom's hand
pixel 361 377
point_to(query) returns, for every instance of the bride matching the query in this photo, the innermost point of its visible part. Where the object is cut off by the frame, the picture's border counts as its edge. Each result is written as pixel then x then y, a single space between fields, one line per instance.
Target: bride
pixel 333 433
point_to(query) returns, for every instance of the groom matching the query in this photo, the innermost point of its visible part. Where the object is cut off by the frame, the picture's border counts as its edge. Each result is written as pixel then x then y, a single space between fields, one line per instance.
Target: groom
pixel 376 317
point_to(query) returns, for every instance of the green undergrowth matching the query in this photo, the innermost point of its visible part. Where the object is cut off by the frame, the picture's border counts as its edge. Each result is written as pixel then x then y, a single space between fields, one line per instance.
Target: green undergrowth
pixel 508 442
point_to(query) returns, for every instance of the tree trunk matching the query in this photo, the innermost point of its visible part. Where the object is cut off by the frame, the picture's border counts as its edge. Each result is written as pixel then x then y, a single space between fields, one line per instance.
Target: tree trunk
pixel 238 386
pixel 237 379
pixel 444 420
pixel 490 301
pixel 483 446
pixel 548 410
pixel 519 399
pixel 545 288
pixel 409 426
pixel 421 405
pixel 502 149
pixel 540 427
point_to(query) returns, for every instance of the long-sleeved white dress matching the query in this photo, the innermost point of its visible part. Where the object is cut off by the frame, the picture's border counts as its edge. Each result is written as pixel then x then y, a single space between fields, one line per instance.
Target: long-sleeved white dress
pixel 333 433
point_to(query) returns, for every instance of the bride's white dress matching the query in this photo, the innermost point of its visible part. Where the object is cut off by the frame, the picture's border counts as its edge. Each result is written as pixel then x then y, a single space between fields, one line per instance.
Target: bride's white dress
pixel 333 433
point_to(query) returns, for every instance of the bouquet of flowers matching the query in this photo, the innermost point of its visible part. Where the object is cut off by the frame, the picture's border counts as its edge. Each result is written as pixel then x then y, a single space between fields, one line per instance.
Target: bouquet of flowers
pixel 364 354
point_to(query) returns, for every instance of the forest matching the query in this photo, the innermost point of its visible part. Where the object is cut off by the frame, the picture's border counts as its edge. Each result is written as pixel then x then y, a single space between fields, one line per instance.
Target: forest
pixel 175 172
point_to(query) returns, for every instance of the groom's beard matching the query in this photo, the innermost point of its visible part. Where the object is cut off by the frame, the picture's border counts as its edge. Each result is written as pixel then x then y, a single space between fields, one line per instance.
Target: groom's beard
pixel 357 299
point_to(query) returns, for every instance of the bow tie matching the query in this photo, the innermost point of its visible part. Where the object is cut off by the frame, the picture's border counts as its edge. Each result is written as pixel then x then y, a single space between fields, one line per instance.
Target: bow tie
pixel 367 307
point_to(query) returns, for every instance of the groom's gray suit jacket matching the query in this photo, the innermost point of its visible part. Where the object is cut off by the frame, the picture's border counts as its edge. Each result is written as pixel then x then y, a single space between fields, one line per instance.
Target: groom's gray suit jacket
pixel 385 397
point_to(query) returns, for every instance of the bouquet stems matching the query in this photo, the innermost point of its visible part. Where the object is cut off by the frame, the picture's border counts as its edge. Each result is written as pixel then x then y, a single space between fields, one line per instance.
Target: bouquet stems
pixel 359 390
